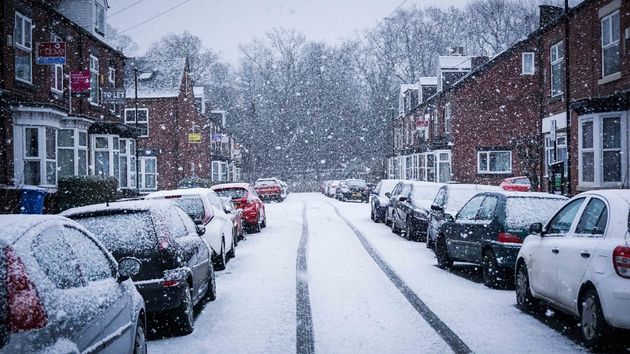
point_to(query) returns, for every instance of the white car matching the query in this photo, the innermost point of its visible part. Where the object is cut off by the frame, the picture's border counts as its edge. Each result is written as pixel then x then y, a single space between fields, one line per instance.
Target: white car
pixel 206 208
pixel 580 263
pixel 332 189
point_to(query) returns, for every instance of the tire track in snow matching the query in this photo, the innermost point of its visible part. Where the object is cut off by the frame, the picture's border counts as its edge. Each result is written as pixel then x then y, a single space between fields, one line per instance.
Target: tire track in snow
pixel 305 343
pixel 432 319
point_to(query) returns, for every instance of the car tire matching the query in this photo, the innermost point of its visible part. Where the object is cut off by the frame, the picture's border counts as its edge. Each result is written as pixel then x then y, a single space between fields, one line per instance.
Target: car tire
pixel 441 252
pixel 184 315
pixel 232 252
pixel 491 270
pixel 430 243
pixel 211 292
pixel 594 331
pixel 140 339
pixel 221 261
pixel 524 298
pixel 264 222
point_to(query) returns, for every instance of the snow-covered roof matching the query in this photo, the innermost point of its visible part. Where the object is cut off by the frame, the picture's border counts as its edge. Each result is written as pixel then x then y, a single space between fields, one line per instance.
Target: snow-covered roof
pixel 137 205
pixel 428 81
pixel 511 194
pixel 179 192
pixel 157 80
pixel 479 187
pixel 405 87
pixel 454 62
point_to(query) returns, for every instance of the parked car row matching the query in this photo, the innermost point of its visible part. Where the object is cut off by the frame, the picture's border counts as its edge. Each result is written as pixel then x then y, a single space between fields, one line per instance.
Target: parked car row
pixel 271 189
pixel 573 255
pixel 347 190
pixel 86 280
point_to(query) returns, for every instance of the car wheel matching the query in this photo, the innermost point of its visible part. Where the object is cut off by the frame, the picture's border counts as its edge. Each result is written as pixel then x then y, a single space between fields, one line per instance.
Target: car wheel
pixel 491 271
pixel 524 298
pixel 430 244
pixel 211 292
pixel 264 222
pixel 232 252
pixel 441 252
pixel 221 258
pixel 184 314
pixel 140 340
pixel 593 327
pixel 386 219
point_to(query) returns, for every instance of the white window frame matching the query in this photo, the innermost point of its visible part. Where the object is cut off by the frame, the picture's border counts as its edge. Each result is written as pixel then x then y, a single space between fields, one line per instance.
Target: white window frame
pixel 94 84
pixel 142 164
pixel 525 57
pixel 113 154
pixel 56 75
pixel 132 122
pixel 111 76
pixel 129 156
pixel 555 59
pixel 487 171
pixel 42 158
pixel 21 43
pixel 612 43
pixel 447 119
pixel 443 157
pixel 99 19
pixel 76 148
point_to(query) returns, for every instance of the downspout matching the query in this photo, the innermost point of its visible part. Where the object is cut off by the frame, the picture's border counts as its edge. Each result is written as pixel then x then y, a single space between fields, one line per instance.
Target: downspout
pixel 541 112
pixel 567 93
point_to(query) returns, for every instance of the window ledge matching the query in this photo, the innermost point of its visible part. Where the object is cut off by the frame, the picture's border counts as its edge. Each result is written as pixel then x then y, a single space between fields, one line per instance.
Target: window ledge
pixel 609 78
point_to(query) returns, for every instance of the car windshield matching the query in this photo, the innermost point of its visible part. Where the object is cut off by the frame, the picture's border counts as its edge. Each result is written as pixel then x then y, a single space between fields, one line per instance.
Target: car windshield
pixel 192 207
pixel 233 193
pixel 458 197
pixel 123 233
pixel 521 212
pixel 266 183
pixel 422 192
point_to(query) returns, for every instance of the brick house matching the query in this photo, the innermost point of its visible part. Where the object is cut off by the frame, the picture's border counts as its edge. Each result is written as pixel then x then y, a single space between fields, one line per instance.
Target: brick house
pixel 177 136
pixel 44 133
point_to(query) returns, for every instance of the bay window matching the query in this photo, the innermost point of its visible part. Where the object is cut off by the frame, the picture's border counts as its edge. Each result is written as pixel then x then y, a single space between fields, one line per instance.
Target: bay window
pixel 557 69
pixel 444 166
pixel 106 155
pixel 494 162
pixel 611 31
pixel 23 43
pixel 127 163
pixel 40 156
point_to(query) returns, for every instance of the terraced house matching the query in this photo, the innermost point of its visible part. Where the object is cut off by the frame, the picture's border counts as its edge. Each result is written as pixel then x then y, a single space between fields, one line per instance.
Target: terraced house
pixel 554 106
pixel 45 131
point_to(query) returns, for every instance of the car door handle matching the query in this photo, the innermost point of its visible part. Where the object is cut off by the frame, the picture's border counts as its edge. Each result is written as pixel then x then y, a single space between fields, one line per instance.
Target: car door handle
pixel 555 251
pixel 585 254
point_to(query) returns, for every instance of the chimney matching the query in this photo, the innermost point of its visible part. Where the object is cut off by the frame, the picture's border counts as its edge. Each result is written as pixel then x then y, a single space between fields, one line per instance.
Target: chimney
pixel 456 51
pixel 549 13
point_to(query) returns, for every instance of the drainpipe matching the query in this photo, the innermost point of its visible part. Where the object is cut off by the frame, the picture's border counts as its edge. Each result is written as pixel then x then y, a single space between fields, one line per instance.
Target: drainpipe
pixel 135 104
pixel 567 93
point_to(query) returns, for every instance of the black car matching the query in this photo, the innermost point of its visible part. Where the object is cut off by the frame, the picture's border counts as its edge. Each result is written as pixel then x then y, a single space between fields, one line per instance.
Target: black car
pixel 176 270
pixel 379 199
pixel 352 189
pixel 392 196
pixel 410 209
pixel 490 228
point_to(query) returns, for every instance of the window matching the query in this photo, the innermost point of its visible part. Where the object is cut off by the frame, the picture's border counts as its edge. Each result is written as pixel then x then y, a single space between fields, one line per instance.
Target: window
pixel 106 155
pixel 430 167
pixel 447 119
pixel 71 152
pixel 557 69
pixel 56 259
pixel 469 211
pixel 56 74
pixel 594 218
pixel 444 167
pixel 486 211
pixel 603 150
pixel 94 264
pixel 527 63
pixel 40 156
pixel 611 58
pixel 99 19
pixel 494 162
pixel 562 221
pixel 94 80
pixel 587 154
pixel 23 40
pixel 611 149
pixel 111 76
pixel 143 120
pixel 422 170
pixel 148 173
pixel 127 163
pixel 219 171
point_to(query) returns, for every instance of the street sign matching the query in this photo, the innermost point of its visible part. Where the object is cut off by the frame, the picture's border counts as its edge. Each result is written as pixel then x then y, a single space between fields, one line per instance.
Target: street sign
pixel 80 81
pixel 114 95
pixel 194 138
pixel 51 53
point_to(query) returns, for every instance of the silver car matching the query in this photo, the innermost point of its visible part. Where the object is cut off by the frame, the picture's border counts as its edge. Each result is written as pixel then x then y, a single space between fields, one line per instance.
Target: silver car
pixel 62 291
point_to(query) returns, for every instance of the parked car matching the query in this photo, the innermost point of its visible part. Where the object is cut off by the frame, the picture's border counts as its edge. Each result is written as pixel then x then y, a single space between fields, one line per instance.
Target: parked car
pixel 205 207
pixel 353 189
pixel 176 272
pixel 379 200
pixel 517 184
pixel 579 262
pixel 449 200
pixel 390 203
pixel 332 189
pixel 245 198
pixel 489 230
pixel 410 209
pixel 271 189
pixel 236 215
pixel 61 288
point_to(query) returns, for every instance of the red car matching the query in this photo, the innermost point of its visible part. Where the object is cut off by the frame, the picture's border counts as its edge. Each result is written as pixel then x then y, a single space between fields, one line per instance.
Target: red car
pixel 246 199
pixel 516 184
pixel 269 189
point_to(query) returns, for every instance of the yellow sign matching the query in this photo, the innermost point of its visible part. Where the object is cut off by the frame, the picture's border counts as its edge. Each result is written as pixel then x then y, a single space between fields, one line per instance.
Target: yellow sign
pixel 194 138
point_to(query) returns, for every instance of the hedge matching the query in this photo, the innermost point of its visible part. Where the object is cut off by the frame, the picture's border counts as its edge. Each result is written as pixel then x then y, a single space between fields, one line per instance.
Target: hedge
pixel 75 191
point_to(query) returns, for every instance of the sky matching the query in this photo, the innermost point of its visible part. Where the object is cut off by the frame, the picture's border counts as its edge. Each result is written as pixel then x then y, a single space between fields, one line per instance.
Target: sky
pixel 224 24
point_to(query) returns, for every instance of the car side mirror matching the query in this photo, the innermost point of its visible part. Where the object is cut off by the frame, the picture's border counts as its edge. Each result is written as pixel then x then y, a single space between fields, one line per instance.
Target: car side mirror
pixel 402 199
pixel 388 194
pixel 227 211
pixel 201 230
pixel 436 207
pixel 536 229
pixel 449 217
pixel 127 268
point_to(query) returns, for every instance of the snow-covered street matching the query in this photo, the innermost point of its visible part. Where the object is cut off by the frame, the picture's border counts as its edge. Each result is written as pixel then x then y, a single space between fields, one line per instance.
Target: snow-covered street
pixel 355 305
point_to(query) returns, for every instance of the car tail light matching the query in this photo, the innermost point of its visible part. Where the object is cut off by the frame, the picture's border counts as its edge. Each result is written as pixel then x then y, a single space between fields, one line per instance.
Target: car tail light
pixel 169 283
pixel 172 197
pixel 621 261
pixel 26 310
pixel 505 237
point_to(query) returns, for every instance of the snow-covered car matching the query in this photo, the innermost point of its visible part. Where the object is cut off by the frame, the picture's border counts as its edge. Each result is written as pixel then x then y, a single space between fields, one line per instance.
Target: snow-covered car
pixel 245 198
pixel 352 189
pixel 176 272
pixel 60 289
pixel 379 200
pixel 270 189
pixel 489 230
pixel 331 191
pixel 410 209
pixel 579 262
pixel 516 184
pixel 205 207
pixel 448 201
pixel 236 215
pixel 393 195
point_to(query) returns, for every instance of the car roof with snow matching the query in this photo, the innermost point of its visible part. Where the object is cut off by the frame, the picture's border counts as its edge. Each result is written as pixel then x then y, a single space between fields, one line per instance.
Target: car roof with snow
pixel 185 192
pixel 230 185
pixel 424 184
pixel 12 226
pixel 479 187
pixel 134 205
pixel 512 194
pixel 612 195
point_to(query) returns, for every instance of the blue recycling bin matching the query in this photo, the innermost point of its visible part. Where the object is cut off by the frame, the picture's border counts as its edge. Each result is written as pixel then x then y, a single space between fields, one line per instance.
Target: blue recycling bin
pixel 32 201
